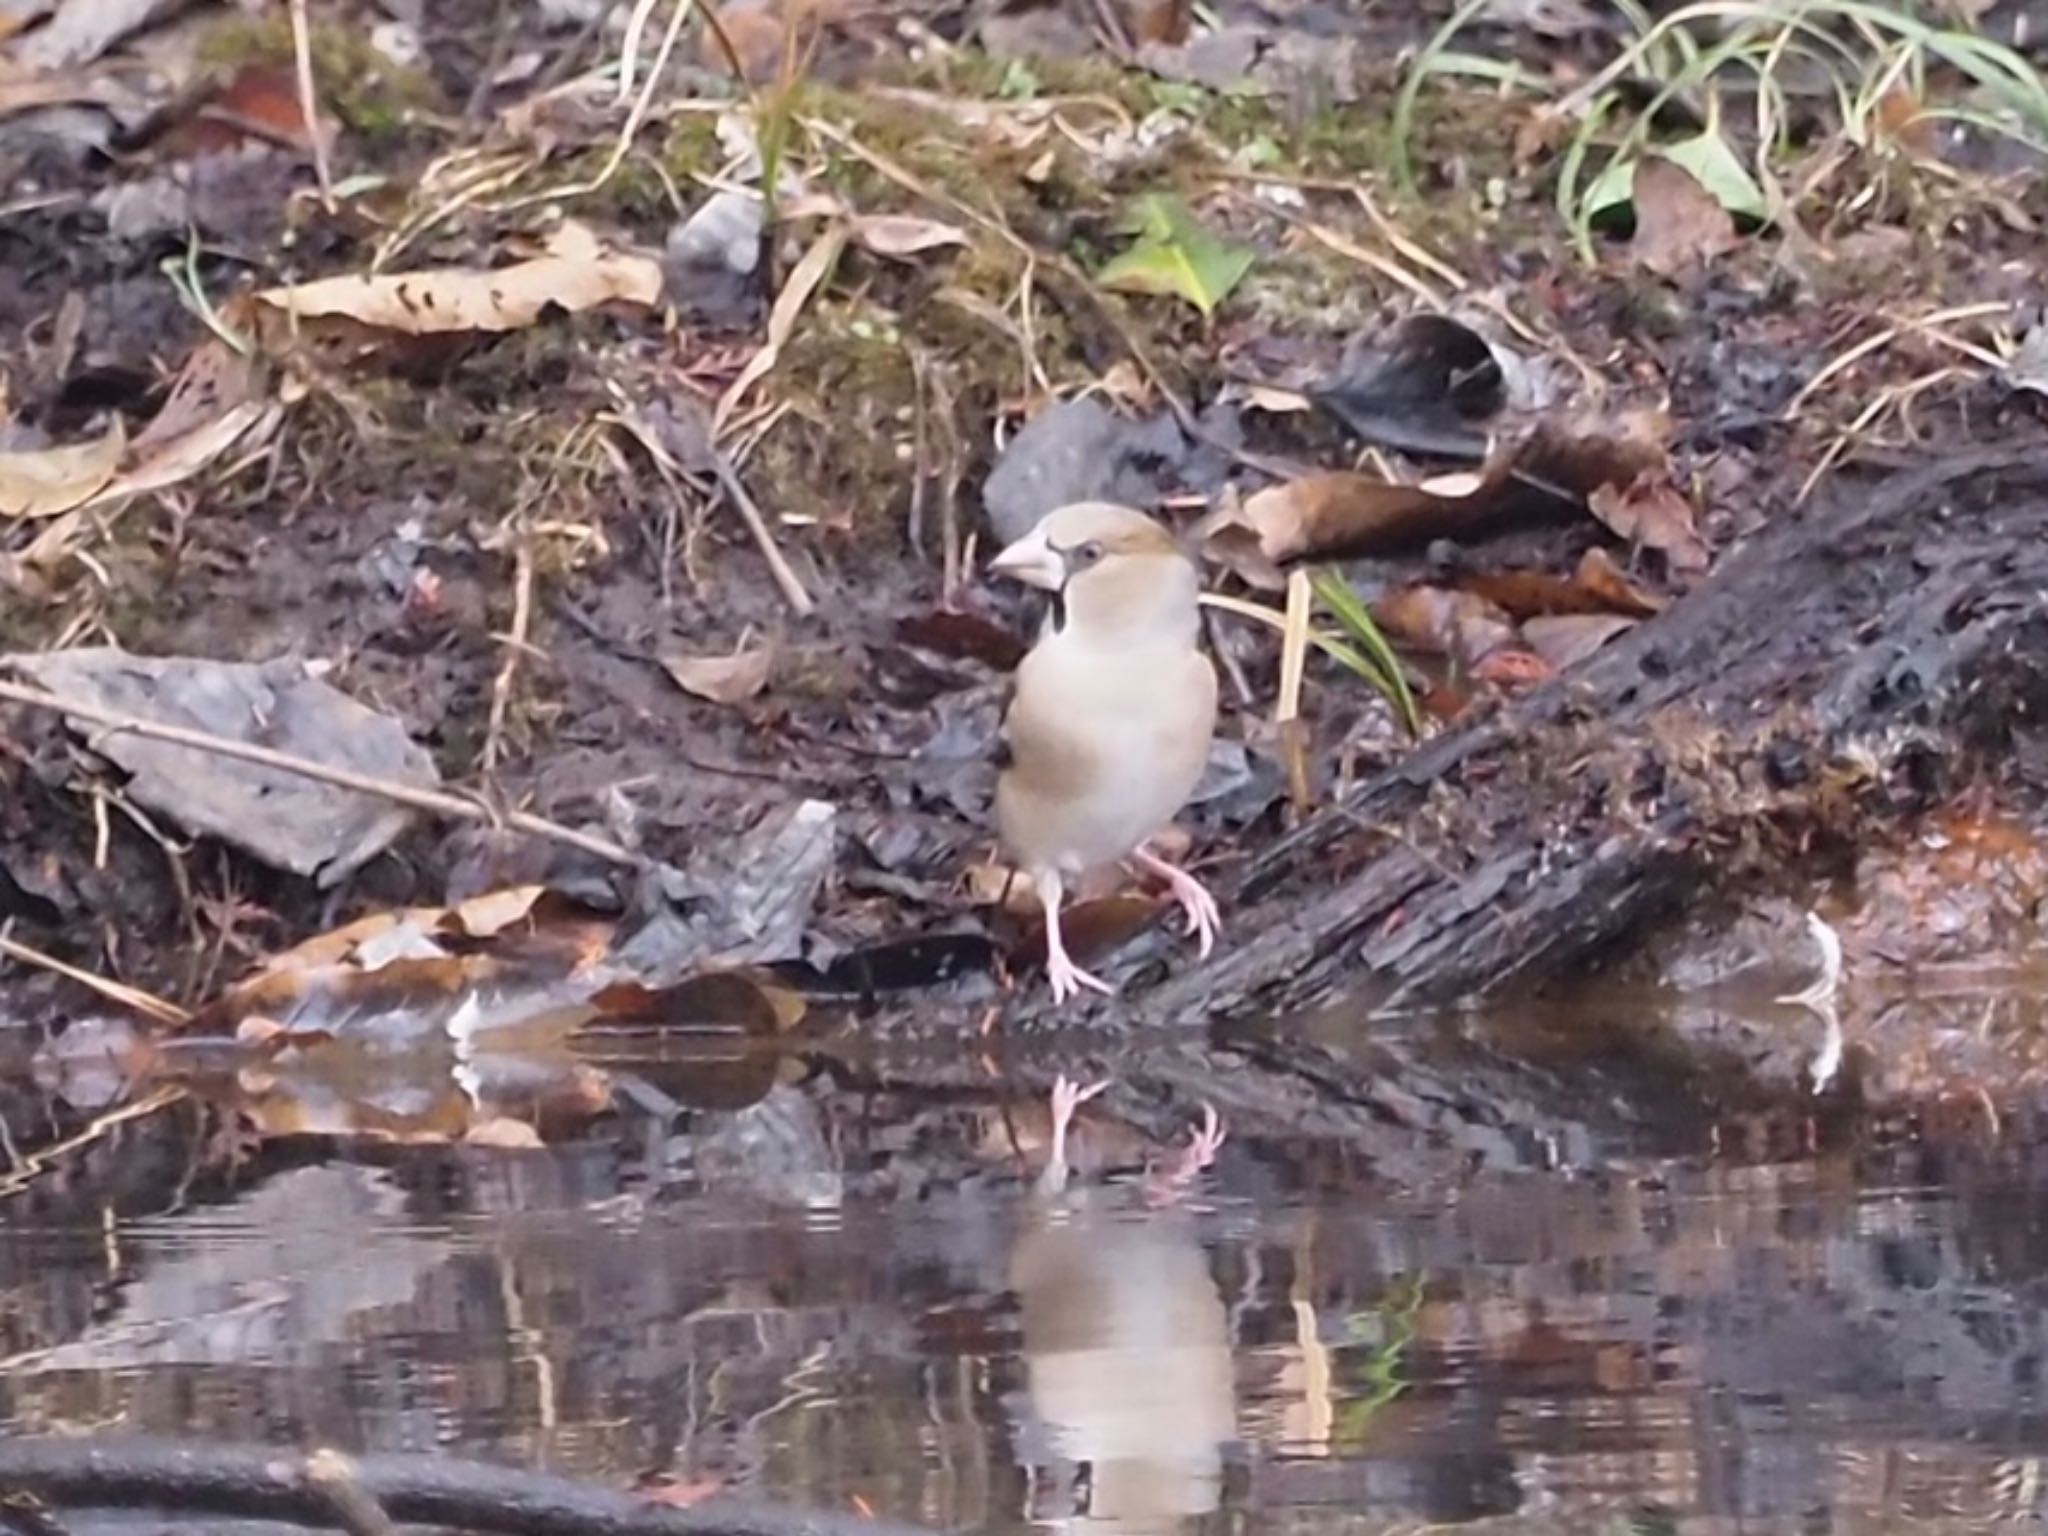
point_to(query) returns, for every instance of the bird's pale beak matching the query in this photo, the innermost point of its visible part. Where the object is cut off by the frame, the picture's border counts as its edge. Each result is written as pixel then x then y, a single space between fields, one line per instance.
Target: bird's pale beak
pixel 1033 561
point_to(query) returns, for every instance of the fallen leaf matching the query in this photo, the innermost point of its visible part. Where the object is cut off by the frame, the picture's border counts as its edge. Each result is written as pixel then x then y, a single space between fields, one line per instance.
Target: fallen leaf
pixel 757 41
pixel 1175 256
pixel 46 481
pixel 1443 622
pixel 1276 401
pixel 288 821
pixel 576 273
pixel 82 30
pixel 1598 576
pixel 504 1132
pixel 1512 664
pixel 1425 385
pixel 1678 222
pixel 1344 514
pixel 1652 513
pixel 486 915
pixel 1158 21
pixel 1581 451
pixel 180 458
pixel 797 288
pixel 26 91
pixel 722 679
pixel 899 234
pixel 1706 158
pixel 258 104
pixel 1566 638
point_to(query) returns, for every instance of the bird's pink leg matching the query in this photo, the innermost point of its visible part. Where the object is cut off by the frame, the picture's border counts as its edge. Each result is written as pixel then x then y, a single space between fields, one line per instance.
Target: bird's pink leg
pixel 1065 977
pixel 1163 1185
pixel 1205 918
pixel 1067 1096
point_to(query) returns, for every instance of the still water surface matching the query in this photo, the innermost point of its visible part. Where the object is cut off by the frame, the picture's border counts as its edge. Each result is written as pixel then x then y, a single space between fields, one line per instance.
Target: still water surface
pixel 1845 1340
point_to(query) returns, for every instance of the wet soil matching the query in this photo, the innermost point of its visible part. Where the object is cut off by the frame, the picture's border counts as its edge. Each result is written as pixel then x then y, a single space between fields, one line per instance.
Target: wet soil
pixel 383 535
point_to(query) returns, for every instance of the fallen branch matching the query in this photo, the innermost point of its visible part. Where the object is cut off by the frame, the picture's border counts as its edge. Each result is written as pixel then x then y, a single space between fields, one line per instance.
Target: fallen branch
pixel 434 802
pixel 262 1483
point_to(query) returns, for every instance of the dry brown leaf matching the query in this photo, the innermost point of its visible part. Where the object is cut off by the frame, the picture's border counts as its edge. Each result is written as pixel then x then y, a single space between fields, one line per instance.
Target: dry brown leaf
pixel 757 38
pixel 797 288
pixel 46 481
pixel 25 91
pixel 1652 513
pixel 723 679
pixel 502 1131
pixel 1345 514
pixel 900 234
pixel 181 458
pixel 1678 222
pixel 486 915
pixel 576 273
pixel 1565 638
pixel 1599 577
pixel 1444 622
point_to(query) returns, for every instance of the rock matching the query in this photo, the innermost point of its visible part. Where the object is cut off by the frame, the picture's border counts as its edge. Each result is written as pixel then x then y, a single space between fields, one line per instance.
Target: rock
pixel 1078 450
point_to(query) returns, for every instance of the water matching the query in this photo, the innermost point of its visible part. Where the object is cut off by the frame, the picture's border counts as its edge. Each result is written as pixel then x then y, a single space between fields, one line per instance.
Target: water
pixel 1847 1338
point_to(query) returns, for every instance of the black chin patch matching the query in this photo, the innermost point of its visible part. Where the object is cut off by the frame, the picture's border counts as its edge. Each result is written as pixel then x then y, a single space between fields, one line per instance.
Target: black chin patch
pixel 1059 607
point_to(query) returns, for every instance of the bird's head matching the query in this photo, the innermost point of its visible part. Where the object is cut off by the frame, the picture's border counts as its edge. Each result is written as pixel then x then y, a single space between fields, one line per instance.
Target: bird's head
pixel 1111 567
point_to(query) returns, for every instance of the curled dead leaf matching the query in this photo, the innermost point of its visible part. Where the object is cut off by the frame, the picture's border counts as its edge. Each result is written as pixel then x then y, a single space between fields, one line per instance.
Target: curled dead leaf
pixel 1443 622
pixel 900 235
pixel 46 481
pixel 1566 638
pixel 576 272
pixel 1651 512
pixel 723 679
pixel 1678 222
pixel 1344 515
pixel 1599 577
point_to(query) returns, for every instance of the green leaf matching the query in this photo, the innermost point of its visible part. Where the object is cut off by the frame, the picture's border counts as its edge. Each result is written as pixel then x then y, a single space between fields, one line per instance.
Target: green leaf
pixel 1707 159
pixel 1175 256
pixel 1383 669
pixel 1711 163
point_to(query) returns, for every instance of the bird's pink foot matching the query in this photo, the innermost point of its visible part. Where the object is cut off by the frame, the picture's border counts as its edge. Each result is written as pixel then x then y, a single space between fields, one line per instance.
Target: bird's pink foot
pixel 1067 979
pixel 1205 918
pixel 1165 1184
pixel 1068 1096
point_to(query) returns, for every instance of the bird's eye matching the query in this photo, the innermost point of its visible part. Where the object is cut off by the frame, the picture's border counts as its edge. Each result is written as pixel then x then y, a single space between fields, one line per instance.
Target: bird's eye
pixel 1087 554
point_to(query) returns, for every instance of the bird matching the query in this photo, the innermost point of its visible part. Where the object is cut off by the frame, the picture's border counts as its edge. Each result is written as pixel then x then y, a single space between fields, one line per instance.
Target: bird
pixel 1109 724
pixel 1125 1339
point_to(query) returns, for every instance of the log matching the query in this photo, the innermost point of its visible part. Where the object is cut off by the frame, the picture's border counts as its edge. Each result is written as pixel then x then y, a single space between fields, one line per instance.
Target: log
pixel 1837 673
pixel 261 1482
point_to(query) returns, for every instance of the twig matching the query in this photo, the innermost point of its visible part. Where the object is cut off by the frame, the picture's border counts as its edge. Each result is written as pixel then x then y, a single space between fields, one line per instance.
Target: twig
pixel 742 500
pixel 638 115
pixel 514 642
pixel 149 1003
pixel 102 1124
pixel 309 104
pixel 434 802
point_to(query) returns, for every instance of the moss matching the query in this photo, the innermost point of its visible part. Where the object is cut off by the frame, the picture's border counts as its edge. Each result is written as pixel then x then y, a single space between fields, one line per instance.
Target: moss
pixel 374 97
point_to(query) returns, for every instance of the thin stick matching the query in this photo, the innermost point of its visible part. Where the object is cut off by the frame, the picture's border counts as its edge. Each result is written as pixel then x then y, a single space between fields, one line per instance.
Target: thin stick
pixel 309 105
pixel 101 1126
pixel 634 118
pixel 113 991
pixel 736 492
pixel 515 644
pixel 434 802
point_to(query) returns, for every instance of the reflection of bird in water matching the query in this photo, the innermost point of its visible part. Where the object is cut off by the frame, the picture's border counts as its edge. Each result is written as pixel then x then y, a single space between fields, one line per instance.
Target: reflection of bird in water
pixel 1126 1350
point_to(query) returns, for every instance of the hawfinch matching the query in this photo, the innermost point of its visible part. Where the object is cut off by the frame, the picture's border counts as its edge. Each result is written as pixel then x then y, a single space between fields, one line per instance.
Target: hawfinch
pixel 1108 731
